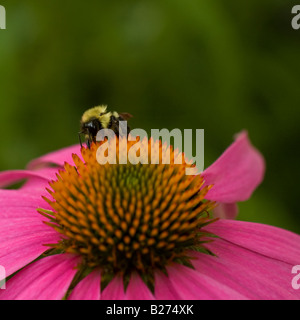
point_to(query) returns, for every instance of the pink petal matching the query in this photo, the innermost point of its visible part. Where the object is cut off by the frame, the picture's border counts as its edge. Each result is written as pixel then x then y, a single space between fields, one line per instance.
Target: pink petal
pixel 114 290
pixel 137 289
pixel 266 240
pixel 88 288
pixel 253 275
pixel 19 227
pixel 254 262
pixel 10 177
pixel 19 212
pixel 45 279
pixel 36 186
pixel 19 199
pixel 22 232
pixel 21 241
pixel 190 284
pixel 226 211
pixel 57 157
pixel 164 289
pixel 236 174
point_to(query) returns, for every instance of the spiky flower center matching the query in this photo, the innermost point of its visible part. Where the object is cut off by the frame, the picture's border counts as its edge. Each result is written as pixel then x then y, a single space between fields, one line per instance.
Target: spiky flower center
pixel 123 218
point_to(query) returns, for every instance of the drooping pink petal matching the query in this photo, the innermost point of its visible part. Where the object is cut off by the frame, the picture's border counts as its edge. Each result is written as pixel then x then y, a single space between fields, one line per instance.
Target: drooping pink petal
pixel 36 186
pixel 57 157
pixel 13 176
pixel 22 240
pixel 164 289
pixel 88 288
pixel 226 211
pixel 266 240
pixel 22 231
pixel 13 212
pixel 254 263
pixel 137 289
pixel 23 226
pixel 236 174
pixel 17 204
pixel 253 275
pixel 46 279
pixel 114 290
pixel 19 199
pixel 190 284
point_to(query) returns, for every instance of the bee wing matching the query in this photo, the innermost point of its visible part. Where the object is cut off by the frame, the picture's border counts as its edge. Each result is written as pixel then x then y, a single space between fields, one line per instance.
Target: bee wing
pixel 125 115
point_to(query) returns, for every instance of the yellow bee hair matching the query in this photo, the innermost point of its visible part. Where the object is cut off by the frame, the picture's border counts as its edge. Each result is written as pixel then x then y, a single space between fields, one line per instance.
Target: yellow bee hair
pixel 100 114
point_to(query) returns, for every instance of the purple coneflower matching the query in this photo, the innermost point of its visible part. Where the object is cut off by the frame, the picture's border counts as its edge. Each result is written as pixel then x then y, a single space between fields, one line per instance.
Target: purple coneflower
pixel 140 231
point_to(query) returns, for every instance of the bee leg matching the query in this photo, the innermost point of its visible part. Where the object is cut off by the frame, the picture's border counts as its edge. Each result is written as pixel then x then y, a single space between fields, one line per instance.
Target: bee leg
pixel 80 139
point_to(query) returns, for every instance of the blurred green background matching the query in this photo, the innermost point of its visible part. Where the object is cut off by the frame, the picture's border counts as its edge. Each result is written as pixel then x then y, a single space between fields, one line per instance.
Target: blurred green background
pixel 221 65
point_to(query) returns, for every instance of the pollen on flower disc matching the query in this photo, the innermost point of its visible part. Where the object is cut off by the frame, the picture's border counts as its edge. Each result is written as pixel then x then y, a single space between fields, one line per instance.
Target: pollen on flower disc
pixel 124 218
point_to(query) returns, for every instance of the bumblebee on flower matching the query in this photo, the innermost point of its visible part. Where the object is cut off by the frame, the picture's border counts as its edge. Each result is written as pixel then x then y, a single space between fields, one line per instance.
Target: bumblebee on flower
pixel 142 231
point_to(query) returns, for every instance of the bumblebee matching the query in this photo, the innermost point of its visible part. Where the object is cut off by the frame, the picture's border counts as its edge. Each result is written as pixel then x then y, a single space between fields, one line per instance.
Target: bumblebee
pixel 98 118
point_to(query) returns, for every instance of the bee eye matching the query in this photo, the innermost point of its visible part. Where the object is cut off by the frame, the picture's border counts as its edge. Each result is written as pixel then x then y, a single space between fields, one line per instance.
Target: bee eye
pixel 89 125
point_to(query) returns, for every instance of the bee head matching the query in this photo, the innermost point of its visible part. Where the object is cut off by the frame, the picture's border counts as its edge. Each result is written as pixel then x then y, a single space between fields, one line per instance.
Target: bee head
pixel 91 127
